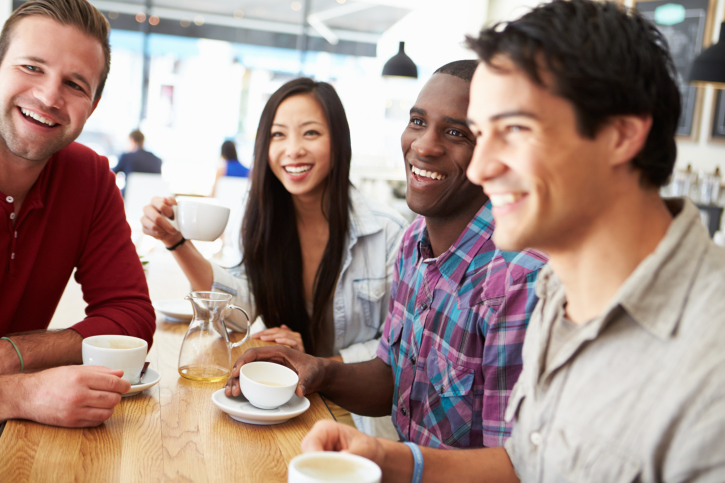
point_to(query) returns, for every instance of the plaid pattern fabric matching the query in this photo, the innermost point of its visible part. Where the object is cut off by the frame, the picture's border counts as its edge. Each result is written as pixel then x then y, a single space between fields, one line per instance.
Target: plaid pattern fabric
pixel 454 333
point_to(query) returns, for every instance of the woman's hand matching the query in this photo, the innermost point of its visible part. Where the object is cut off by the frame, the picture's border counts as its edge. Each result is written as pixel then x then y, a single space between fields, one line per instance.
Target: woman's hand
pixel 282 335
pixel 155 220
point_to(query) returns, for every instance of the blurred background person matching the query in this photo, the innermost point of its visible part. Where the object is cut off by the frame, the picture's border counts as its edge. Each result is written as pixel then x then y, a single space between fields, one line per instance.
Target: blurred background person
pixel 231 166
pixel 137 160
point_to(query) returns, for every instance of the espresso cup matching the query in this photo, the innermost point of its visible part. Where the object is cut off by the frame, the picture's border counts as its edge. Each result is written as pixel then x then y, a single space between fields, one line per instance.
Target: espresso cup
pixel 267 385
pixel 201 219
pixel 329 466
pixel 116 352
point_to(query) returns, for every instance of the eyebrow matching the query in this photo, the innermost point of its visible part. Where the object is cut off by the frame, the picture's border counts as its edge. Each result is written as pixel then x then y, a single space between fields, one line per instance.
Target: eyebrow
pixel 503 115
pixel 303 124
pixel 74 75
pixel 446 119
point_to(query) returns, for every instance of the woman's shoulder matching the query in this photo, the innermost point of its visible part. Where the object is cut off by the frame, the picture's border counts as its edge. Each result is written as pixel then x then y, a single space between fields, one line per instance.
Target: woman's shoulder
pixel 369 215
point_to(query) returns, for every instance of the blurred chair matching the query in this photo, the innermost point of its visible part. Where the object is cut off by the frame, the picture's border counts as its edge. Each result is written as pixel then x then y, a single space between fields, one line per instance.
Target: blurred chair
pixel 140 188
pixel 232 192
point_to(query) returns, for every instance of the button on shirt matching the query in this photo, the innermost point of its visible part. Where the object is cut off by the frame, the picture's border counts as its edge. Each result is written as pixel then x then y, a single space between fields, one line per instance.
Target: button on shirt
pixel 637 394
pixel 453 335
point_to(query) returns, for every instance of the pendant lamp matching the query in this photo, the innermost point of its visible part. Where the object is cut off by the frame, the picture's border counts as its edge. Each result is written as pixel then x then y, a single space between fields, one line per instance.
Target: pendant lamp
pixel 400 65
pixel 709 66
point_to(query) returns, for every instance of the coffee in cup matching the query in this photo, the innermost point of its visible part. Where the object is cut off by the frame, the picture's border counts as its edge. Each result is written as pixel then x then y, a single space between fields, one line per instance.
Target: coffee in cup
pixel 116 352
pixel 329 466
pixel 267 385
pixel 201 219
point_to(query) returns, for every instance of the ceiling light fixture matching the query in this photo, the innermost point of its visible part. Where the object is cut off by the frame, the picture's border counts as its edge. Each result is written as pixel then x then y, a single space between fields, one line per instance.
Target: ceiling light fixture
pixel 709 66
pixel 400 65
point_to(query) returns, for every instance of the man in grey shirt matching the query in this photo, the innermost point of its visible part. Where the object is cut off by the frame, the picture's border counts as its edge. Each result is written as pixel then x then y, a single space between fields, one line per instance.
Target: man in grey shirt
pixel 575 108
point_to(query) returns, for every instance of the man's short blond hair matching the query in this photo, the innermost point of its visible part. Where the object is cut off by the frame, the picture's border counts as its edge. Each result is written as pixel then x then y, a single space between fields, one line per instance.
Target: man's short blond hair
pixel 75 13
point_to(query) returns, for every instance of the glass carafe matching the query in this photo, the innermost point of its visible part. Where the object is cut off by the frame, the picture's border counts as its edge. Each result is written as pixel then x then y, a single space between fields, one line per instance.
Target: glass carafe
pixel 206 353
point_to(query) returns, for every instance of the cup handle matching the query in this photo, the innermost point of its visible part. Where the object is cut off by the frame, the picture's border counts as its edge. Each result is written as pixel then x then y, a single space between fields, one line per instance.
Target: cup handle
pixel 175 221
pixel 249 325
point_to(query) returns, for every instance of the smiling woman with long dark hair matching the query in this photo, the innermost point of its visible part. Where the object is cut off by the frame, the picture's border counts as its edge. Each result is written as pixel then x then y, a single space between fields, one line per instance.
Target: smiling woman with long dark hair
pixel 317 255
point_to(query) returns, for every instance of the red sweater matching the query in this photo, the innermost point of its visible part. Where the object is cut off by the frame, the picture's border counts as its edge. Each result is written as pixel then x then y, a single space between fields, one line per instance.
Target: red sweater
pixel 73 217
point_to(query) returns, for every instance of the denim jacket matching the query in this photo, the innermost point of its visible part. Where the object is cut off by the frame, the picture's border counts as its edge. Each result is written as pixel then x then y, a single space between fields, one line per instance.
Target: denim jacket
pixel 360 302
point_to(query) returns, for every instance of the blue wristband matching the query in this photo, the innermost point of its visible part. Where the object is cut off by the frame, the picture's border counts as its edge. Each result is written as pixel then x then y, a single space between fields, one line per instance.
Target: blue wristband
pixel 417 461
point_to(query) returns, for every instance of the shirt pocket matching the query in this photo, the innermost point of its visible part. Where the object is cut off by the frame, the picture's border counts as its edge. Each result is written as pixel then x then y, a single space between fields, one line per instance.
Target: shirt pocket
pixel 580 455
pixel 369 295
pixel 449 412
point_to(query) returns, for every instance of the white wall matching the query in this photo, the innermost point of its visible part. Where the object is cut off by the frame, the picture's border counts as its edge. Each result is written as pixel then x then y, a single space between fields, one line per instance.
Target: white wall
pixel 6 8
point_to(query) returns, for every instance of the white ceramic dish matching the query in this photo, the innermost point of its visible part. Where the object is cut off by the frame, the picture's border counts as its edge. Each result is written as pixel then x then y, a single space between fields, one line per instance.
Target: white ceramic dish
pixel 151 378
pixel 241 410
pixel 175 310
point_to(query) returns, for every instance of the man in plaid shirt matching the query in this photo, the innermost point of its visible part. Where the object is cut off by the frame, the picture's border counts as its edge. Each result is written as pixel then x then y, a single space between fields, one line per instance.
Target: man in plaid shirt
pixel 459 306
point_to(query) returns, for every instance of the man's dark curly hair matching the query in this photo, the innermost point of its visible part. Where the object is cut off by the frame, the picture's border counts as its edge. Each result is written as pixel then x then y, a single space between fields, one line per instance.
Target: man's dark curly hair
pixel 604 59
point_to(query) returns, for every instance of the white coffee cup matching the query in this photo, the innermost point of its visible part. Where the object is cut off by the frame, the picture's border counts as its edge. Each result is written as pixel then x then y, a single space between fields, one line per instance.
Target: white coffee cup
pixel 116 352
pixel 267 385
pixel 200 218
pixel 329 466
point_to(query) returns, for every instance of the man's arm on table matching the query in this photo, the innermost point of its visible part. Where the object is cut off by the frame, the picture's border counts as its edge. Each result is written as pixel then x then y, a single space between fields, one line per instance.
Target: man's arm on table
pixel 396 459
pixel 69 396
pixel 40 350
pixel 364 388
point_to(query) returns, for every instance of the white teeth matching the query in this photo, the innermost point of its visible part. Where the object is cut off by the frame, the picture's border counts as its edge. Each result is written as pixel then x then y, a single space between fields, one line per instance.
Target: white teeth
pixel 505 199
pixel 426 173
pixel 297 169
pixel 37 117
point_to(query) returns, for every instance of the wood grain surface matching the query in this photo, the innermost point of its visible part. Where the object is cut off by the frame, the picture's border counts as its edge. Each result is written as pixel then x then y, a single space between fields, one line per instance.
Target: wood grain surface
pixel 170 432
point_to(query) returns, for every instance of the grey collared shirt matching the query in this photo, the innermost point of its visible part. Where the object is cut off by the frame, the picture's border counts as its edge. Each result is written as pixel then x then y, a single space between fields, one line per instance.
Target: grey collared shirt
pixel 637 394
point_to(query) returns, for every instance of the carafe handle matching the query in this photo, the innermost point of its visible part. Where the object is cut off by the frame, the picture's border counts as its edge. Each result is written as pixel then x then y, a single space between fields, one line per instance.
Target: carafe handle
pixel 249 325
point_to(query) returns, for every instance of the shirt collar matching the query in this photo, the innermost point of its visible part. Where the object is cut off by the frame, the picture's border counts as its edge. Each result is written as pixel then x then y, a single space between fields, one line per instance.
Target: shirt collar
pixel 655 294
pixel 454 262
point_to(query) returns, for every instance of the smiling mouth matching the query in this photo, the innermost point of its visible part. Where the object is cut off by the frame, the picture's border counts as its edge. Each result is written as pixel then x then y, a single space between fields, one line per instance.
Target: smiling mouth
pixel 37 118
pixel 505 198
pixel 427 174
pixel 297 169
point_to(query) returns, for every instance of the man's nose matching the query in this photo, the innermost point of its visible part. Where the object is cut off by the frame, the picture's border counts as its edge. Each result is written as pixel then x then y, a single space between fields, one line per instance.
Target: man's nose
pixel 485 163
pixel 50 93
pixel 428 144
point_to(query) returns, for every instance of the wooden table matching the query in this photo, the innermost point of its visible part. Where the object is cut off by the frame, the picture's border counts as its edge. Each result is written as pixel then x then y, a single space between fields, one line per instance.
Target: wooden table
pixel 170 432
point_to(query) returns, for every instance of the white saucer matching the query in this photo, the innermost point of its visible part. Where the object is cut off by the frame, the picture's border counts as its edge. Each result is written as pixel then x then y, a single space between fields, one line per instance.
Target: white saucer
pixel 151 378
pixel 241 410
pixel 175 310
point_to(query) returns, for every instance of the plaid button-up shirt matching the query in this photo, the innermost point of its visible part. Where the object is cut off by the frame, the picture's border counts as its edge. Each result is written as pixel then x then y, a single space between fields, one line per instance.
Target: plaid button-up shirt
pixel 454 333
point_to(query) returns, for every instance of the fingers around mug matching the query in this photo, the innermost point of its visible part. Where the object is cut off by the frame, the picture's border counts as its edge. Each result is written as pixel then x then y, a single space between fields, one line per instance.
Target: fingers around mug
pixel 232 387
pixel 158 218
pixel 324 436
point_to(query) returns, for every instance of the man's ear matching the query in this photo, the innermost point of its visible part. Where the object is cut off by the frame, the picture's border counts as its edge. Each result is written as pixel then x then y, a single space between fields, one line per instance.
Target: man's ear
pixel 629 135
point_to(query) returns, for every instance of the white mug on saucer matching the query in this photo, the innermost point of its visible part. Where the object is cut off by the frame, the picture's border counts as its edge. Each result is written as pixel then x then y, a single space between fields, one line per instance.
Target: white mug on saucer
pixel 329 466
pixel 201 219
pixel 116 352
pixel 267 385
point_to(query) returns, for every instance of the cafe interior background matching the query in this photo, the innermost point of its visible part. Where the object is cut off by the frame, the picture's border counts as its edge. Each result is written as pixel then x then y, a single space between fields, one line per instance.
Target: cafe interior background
pixel 194 73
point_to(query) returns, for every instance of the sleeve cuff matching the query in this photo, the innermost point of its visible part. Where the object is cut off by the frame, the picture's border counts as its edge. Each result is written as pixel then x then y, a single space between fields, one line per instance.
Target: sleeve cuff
pixel 223 280
pixel 364 351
